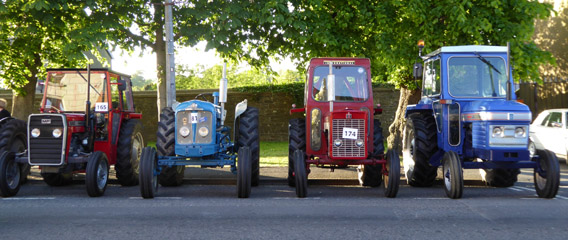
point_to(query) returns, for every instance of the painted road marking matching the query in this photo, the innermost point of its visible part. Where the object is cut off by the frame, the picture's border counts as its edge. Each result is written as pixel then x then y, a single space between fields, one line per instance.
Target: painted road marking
pixel 159 198
pixel 519 188
pixel 29 198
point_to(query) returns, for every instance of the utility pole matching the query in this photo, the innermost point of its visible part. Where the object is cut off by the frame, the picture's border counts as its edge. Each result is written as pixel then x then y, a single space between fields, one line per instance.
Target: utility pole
pixel 170 61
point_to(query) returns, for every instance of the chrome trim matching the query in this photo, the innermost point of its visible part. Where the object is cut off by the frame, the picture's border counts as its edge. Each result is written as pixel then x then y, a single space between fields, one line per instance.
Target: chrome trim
pixel 497 116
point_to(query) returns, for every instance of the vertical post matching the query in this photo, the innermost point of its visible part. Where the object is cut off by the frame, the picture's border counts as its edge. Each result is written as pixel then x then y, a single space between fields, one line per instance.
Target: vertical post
pixel 170 62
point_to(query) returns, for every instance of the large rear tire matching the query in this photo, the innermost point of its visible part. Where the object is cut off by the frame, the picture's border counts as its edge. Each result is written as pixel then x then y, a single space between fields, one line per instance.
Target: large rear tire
pixel 371 175
pixel 500 177
pixel 547 175
pixel 165 143
pixel 96 178
pixel 148 175
pixel 129 149
pixel 453 175
pixel 249 137
pixel 13 138
pixel 244 174
pixel 296 141
pixel 419 144
pixel 9 174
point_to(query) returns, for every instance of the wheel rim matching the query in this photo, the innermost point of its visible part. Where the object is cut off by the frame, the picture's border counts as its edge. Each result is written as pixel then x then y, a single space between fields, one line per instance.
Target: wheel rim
pixel 102 174
pixel 136 152
pixel 540 181
pixel 532 149
pixel 12 174
pixel 447 175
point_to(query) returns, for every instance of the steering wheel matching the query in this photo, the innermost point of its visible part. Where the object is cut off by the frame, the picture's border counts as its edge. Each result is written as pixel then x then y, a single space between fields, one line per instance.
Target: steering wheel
pixel 202 95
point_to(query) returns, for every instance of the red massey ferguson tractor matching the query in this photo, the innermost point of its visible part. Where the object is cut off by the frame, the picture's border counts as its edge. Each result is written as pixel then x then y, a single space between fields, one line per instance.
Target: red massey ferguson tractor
pixel 87 123
pixel 339 129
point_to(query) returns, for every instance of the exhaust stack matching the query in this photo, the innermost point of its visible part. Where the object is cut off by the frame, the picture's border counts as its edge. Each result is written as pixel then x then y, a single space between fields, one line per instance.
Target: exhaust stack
pixel 223 92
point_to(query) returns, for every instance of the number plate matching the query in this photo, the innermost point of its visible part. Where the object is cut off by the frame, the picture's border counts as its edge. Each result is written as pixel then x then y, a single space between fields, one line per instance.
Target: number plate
pixel 101 107
pixel 193 117
pixel 350 133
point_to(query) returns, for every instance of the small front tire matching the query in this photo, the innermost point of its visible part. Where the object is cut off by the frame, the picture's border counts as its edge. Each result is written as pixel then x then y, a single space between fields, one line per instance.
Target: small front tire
pixel 453 175
pixel 244 174
pixel 391 177
pixel 9 175
pixel 546 175
pixel 300 174
pixel 97 174
pixel 148 175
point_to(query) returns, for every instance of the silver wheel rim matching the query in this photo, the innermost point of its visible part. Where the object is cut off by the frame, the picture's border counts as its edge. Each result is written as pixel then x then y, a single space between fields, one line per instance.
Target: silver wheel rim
pixel 136 152
pixel 540 181
pixel 447 175
pixel 102 174
pixel 532 150
pixel 12 175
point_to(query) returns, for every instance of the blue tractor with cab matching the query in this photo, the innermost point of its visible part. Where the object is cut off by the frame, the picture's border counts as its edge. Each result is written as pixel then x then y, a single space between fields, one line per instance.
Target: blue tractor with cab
pixel 468 118
pixel 193 133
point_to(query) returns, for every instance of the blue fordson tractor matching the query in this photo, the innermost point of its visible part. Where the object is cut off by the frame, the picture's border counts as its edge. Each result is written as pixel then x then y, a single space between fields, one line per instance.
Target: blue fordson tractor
pixel 468 118
pixel 193 133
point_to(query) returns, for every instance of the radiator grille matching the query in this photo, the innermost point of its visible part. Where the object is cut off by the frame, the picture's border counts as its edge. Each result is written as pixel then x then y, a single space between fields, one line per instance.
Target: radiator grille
pixel 204 119
pixel 348 148
pixel 46 149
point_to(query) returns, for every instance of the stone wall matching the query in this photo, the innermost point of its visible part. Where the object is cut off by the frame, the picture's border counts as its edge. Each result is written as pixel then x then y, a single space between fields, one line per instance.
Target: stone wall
pixel 274 109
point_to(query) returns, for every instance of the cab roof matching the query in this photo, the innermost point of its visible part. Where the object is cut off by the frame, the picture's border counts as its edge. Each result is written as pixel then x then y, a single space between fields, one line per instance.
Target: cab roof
pixel 466 49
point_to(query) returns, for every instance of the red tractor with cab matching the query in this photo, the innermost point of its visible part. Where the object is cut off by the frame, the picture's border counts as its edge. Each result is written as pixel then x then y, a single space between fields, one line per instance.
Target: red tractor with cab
pixel 86 123
pixel 339 128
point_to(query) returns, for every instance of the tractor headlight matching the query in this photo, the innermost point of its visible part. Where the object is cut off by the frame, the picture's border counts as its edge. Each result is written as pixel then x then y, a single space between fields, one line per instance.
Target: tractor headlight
pixel 497 132
pixel 35 132
pixel 337 142
pixel 359 143
pixel 519 132
pixel 203 131
pixel 56 133
pixel 184 131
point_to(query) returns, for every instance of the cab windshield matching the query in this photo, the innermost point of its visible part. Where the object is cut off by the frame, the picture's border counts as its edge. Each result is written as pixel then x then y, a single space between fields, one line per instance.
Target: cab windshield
pixel 351 83
pixel 477 77
pixel 67 92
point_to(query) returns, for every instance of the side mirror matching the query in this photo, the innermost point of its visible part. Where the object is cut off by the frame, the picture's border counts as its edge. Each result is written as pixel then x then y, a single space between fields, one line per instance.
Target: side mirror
pixel 417 71
pixel 121 85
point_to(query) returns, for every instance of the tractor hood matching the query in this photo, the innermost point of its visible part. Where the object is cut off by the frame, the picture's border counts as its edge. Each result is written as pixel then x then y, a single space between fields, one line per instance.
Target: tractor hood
pixel 195 105
pixel 496 110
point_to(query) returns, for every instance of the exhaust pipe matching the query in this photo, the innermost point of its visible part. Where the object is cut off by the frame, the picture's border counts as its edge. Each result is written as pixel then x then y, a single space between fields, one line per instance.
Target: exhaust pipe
pixel 223 92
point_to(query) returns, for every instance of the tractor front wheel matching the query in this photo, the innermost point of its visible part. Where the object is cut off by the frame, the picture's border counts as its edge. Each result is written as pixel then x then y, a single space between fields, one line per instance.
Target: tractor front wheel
pixel 148 174
pixel 300 174
pixel 296 141
pixel 244 175
pixel 392 174
pixel 96 174
pixel 547 174
pixel 453 175
pixel 370 175
pixel 13 138
pixel 9 175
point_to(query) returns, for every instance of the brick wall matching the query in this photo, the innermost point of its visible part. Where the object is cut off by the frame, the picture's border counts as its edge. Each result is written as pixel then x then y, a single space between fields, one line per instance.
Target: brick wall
pixel 274 109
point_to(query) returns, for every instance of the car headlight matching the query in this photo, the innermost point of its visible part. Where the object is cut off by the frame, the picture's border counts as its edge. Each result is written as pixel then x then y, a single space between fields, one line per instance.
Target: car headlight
pixel 497 132
pixel 519 132
pixel 337 142
pixel 203 131
pixel 359 143
pixel 35 132
pixel 184 131
pixel 56 133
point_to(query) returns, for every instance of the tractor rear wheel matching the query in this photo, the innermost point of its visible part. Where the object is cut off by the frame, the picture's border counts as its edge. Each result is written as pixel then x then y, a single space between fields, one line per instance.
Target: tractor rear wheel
pixel 148 176
pixel 500 177
pixel 244 174
pixel 419 144
pixel 296 141
pixel 9 175
pixel 165 143
pixel 249 137
pixel 96 178
pixel 129 149
pixel 547 175
pixel 371 175
pixel 13 138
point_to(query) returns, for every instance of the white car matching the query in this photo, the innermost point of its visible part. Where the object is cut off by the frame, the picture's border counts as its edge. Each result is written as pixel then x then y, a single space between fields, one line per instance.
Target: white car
pixel 550 131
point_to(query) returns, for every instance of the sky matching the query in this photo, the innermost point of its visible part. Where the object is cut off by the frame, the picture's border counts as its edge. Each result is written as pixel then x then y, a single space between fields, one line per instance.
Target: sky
pixel 145 61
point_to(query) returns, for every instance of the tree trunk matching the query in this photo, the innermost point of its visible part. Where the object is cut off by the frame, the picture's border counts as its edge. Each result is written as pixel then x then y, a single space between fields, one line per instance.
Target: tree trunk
pixel 23 104
pixel 407 96
pixel 160 49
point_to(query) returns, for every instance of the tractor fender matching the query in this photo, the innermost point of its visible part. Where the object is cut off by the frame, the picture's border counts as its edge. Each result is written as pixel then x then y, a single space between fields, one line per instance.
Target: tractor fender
pixel 240 108
pixel 418 108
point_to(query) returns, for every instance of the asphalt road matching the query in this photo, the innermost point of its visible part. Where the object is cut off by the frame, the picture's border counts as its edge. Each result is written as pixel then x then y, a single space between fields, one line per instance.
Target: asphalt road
pixel 273 212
